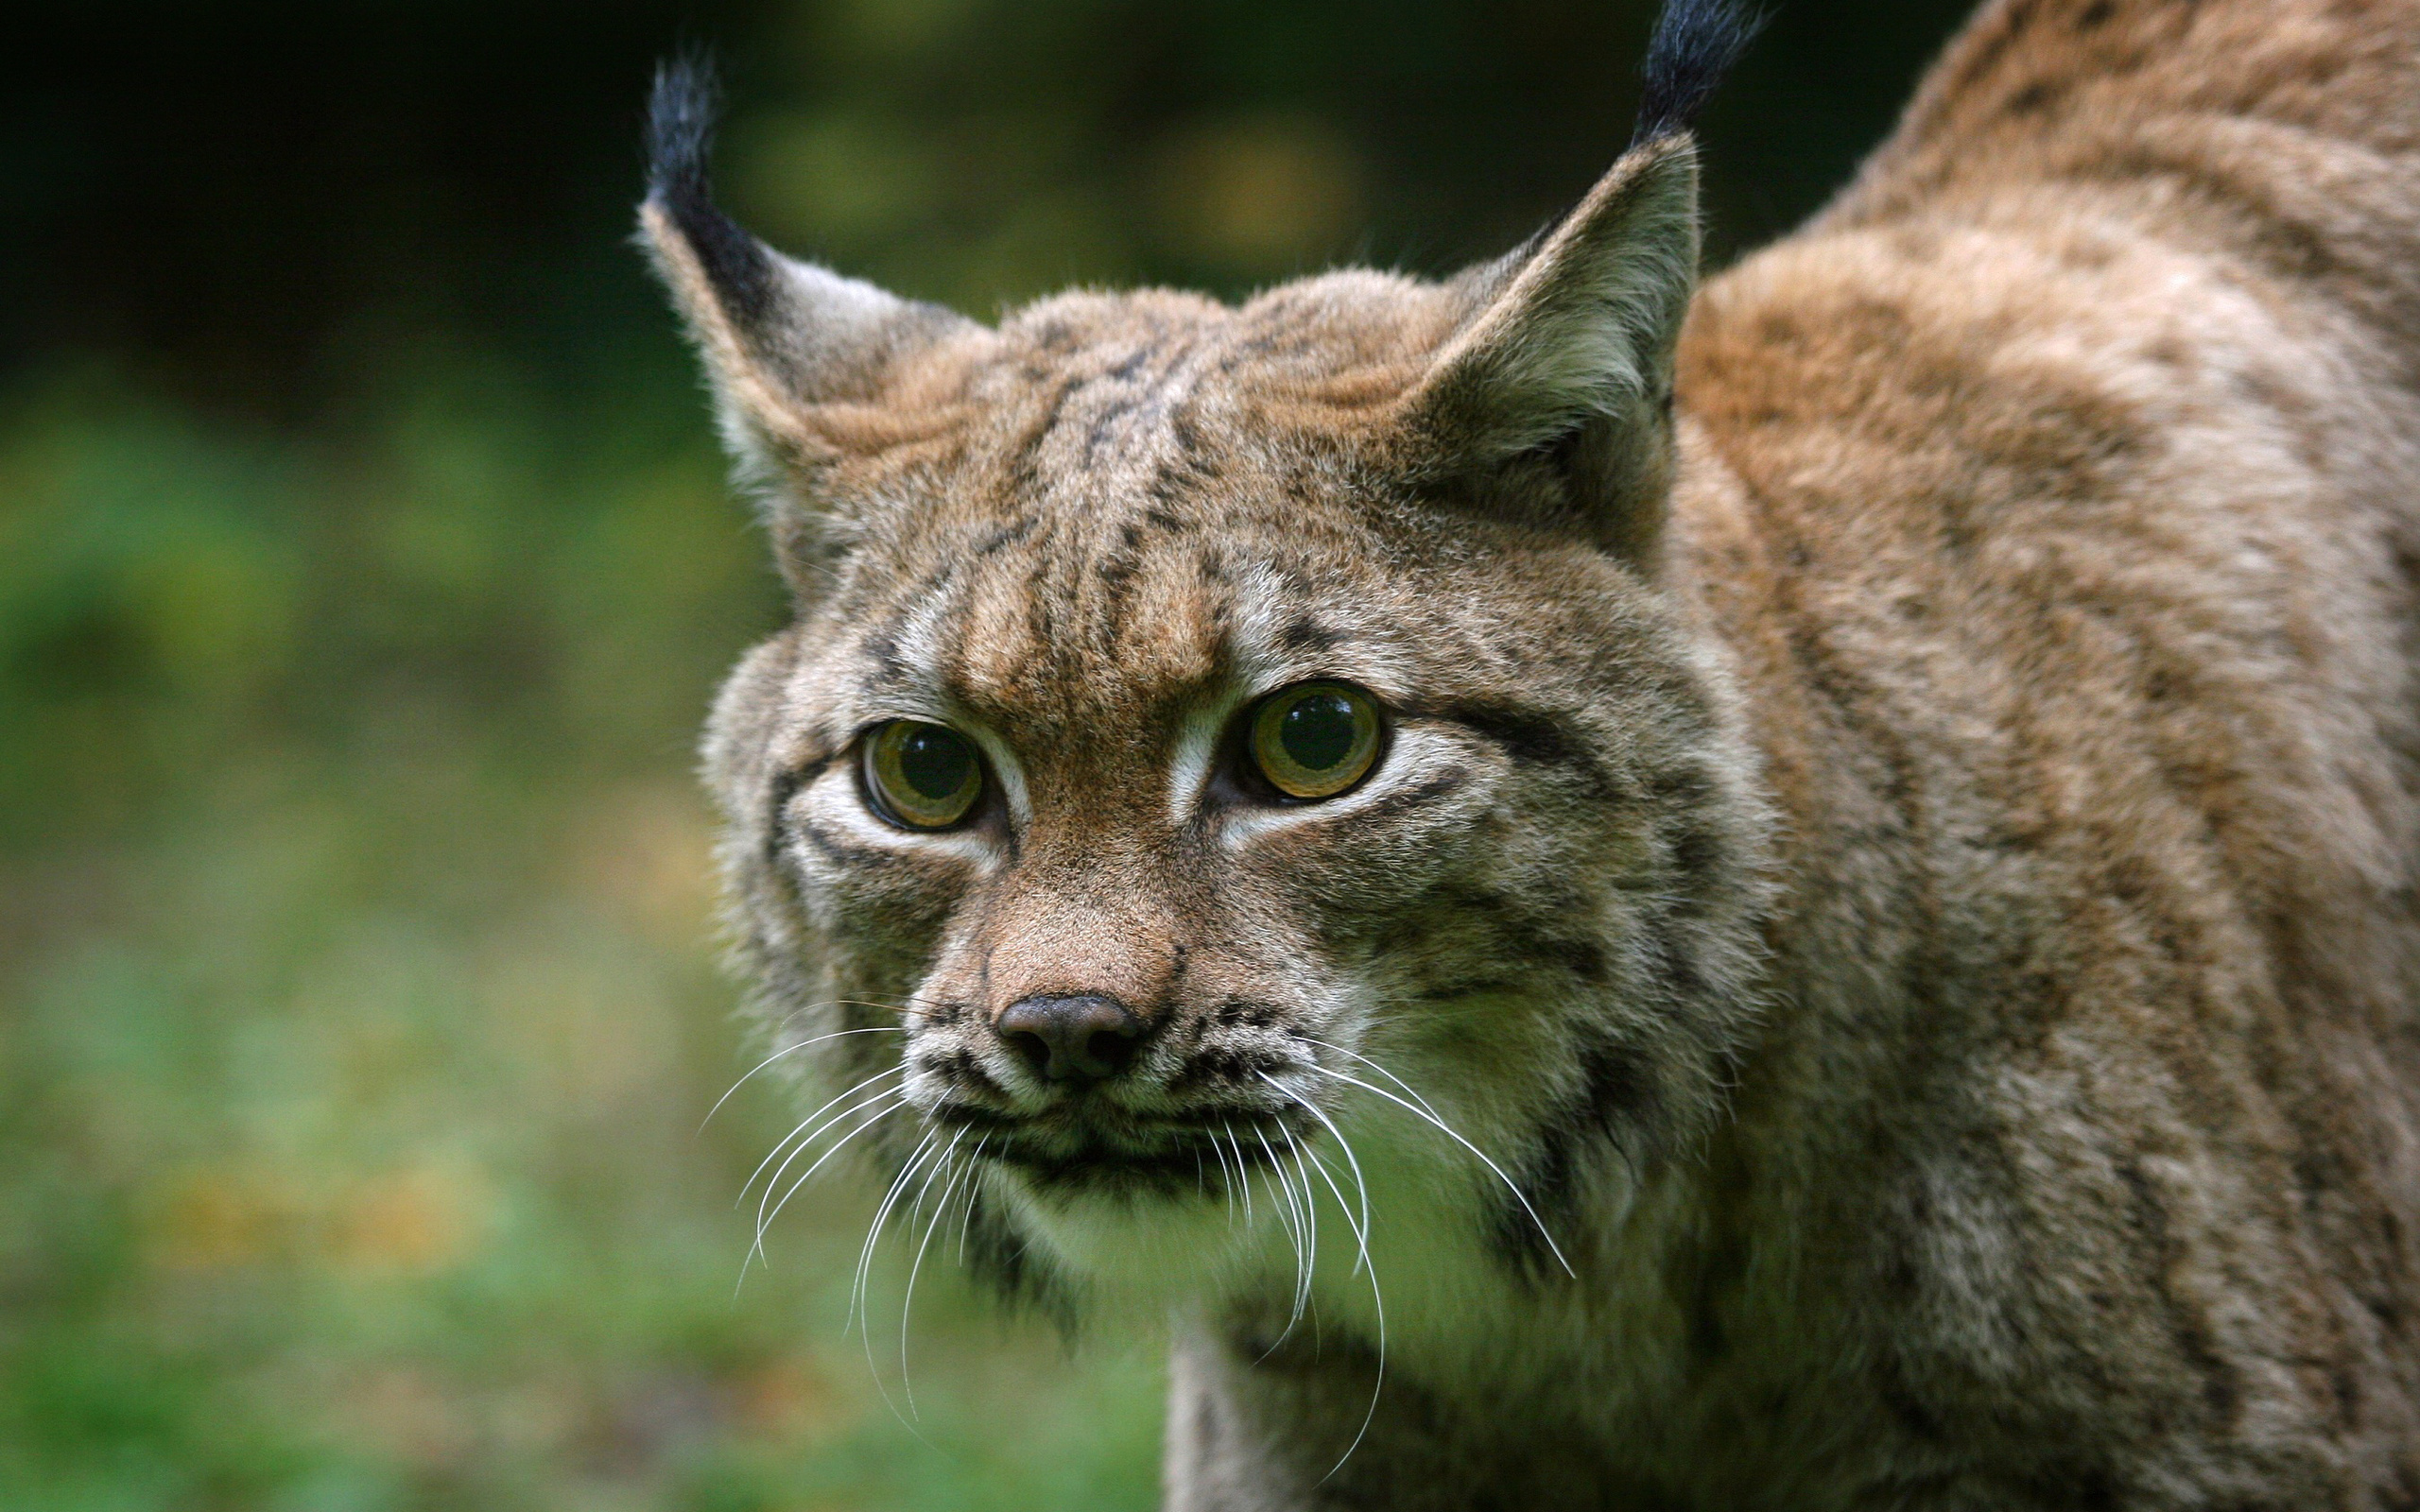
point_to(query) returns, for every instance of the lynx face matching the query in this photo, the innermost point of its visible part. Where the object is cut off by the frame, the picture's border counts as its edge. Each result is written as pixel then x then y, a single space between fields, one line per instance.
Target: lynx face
pixel 1214 734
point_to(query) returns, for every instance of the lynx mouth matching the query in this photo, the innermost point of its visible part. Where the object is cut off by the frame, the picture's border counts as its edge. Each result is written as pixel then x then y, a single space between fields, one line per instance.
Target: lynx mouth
pixel 1191 1155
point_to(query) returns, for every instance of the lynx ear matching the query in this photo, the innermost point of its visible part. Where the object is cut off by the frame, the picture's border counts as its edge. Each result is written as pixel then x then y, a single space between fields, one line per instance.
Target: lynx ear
pixel 1553 400
pixel 780 338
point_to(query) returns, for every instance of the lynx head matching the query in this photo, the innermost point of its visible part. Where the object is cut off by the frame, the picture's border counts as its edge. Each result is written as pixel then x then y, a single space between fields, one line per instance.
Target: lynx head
pixel 1209 732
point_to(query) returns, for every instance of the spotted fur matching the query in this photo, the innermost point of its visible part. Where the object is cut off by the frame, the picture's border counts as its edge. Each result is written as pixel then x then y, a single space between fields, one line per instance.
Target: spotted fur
pixel 1893 856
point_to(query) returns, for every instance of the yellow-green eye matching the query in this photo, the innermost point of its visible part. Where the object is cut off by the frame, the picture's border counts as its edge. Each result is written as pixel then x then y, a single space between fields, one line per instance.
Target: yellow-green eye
pixel 1315 739
pixel 925 777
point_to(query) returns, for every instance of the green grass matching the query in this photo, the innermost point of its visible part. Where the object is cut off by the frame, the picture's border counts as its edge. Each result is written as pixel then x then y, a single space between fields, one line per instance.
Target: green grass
pixel 358 1002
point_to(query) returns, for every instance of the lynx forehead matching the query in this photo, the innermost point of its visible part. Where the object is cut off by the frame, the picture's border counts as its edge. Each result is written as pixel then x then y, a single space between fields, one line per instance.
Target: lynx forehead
pixel 1789 895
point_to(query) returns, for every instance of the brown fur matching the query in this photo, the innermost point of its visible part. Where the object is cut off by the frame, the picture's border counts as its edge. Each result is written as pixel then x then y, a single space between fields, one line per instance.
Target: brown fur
pixel 1909 867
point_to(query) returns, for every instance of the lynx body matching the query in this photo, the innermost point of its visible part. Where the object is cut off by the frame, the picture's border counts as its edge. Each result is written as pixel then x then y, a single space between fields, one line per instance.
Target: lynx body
pixel 1875 963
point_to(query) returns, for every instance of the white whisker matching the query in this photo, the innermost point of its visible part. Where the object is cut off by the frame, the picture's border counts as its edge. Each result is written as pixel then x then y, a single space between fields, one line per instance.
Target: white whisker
pixel 1361 1185
pixel 1242 1174
pixel 1226 1180
pixel 860 1311
pixel 1302 1235
pixel 973 1162
pixel 788 1050
pixel 1377 1300
pixel 873 1234
pixel 795 1133
pixel 1450 1132
pixel 764 1218
pixel 941 1211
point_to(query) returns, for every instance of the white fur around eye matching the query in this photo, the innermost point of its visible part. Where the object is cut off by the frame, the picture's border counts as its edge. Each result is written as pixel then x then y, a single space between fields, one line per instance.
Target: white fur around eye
pixel 1412 757
pixel 1197 747
pixel 835 804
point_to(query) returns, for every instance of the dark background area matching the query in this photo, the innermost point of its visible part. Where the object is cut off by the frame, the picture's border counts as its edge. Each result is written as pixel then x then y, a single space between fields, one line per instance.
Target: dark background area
pixel 243 204
pixel 363 571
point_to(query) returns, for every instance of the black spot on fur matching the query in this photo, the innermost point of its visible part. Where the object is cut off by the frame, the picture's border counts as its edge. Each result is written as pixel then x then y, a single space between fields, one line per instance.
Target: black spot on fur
pixel 1308 636
pixel 1674 967
pixel 1694 45
pixel 1512 920
pixel 1468 988
pixel 1697 854
pixel 680 141
pixel 961 1069
pixel 1222 1066
pixel 882 650
pixel 1238 1012
pixel 2033 99
pixel 1024 468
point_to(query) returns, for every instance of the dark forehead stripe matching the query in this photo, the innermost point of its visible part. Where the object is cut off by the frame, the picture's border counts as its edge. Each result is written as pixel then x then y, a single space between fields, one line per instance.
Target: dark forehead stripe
pixel 1116 567
pixel 1125 403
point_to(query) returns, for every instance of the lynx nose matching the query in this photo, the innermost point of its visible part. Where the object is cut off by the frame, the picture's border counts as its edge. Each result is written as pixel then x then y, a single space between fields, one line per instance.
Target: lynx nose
pixel 1073 1039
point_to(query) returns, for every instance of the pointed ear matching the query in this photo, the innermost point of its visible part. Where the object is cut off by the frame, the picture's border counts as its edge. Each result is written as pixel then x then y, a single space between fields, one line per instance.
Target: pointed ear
pixel 1551 402
pixel 780 338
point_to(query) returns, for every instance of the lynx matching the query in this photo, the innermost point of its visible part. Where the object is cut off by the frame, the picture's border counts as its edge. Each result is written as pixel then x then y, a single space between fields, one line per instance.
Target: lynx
pixel 1792 894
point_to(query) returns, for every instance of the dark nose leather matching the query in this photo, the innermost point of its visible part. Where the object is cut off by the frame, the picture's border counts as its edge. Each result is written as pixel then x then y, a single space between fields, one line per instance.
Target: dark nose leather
pixel 1073 1039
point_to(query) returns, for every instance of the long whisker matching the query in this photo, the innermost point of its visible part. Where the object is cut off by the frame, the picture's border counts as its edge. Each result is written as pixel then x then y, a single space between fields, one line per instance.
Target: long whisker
pixel 1450 1132
pixel 764 1222
pixel 873 1234
pixel 803 1124
pixel 1408 1091
pixel 788 1050
pixel 1361 1185
pixel 1310 1217
pixel 966 1217
pixel 1226 1180
pixel 1377 1300
pixel 911 1009
pixel 1304 1236
pixel 941 1211
pixel 1242 1174
pixel 807 1140
pixel 858 1307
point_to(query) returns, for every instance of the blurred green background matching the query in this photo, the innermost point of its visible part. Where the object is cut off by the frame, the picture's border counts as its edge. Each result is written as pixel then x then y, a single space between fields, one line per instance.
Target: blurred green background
pixel 364 571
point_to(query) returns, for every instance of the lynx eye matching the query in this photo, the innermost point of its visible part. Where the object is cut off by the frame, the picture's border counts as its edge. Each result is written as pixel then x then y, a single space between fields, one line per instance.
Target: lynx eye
pixel 922 776
pixel 1315 739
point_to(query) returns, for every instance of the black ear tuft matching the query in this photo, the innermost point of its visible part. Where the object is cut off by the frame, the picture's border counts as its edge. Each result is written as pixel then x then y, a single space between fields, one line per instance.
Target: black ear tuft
pixel 680 141
pixel 1694 45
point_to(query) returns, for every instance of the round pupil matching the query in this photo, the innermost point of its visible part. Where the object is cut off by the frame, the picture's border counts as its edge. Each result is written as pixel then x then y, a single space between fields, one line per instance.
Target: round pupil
pixel 935 762
pixel 1317 732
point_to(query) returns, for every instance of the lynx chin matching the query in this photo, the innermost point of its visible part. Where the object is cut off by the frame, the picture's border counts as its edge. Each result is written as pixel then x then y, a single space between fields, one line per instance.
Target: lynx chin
pixel 1794 894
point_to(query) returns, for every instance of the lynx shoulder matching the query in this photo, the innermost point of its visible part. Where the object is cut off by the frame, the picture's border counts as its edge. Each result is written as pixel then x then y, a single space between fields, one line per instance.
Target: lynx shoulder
pixel 1795 894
